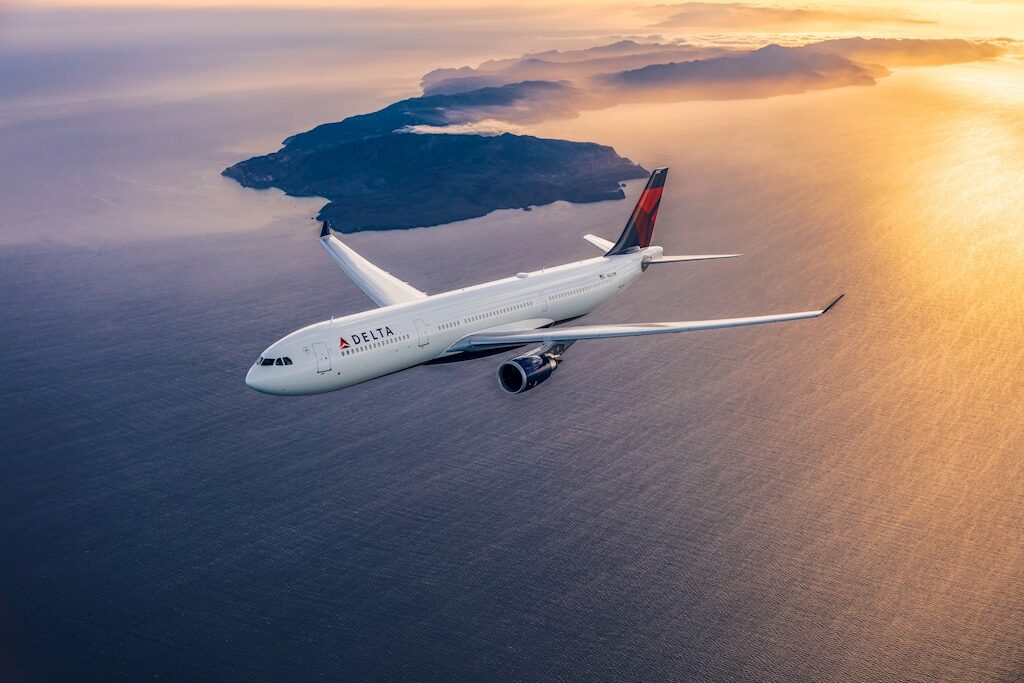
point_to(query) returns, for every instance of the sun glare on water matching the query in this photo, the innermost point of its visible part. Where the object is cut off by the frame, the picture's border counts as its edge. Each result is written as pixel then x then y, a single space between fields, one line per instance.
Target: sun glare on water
pixel 964 183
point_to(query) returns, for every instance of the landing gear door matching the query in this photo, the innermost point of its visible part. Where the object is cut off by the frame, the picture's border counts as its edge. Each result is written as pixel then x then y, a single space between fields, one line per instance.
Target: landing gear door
pixel 421 332
pixel 323 357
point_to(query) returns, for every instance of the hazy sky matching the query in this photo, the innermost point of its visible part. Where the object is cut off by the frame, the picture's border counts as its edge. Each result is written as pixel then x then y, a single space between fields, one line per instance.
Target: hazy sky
pixel 986 17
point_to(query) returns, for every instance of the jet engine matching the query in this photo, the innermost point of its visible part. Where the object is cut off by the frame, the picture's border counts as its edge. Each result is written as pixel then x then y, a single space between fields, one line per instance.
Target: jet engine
pixel 524 372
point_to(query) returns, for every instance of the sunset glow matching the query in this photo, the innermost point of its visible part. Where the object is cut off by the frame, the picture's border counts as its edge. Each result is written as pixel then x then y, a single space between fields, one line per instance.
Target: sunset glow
pixel 992 18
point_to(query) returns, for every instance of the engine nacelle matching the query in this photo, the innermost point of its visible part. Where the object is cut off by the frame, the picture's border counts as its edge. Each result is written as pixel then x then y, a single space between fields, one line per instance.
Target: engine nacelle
pixel 525 372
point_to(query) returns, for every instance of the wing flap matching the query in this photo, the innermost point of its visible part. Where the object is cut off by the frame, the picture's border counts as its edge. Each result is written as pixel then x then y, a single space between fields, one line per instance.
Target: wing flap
pixel 580 332
pixel 384 288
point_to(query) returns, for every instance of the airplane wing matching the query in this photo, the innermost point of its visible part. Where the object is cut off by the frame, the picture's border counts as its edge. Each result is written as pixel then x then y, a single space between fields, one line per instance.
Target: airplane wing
pixel 551 335
pixel 683 259
pixel 384 288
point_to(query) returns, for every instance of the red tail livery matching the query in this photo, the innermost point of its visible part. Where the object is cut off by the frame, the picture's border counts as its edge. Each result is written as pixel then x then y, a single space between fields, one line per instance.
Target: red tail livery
pixel 640 227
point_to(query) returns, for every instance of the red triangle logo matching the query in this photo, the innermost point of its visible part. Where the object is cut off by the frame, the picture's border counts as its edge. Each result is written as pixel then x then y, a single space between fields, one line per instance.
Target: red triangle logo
pixel 342 344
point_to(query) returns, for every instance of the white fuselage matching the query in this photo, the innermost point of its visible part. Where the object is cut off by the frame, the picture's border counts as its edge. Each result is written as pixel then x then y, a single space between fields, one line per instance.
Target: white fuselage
pixel 338 353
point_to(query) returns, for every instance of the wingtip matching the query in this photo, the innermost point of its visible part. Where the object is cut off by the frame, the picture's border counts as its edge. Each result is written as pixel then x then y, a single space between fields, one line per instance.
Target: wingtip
pixel 834 302
pixel 326 230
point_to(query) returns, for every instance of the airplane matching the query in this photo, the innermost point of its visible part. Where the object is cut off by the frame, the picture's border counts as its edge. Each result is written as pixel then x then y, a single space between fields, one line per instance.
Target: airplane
pixel 411 328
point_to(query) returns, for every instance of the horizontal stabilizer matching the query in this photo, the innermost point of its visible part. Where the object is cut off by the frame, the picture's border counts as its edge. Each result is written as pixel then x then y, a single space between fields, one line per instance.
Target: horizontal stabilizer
pixel 699 257
pixel 384 288
pixel 599 242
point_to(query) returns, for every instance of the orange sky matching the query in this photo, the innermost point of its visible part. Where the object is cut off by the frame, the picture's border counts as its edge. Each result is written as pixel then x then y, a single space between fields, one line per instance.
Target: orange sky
pixel 945 17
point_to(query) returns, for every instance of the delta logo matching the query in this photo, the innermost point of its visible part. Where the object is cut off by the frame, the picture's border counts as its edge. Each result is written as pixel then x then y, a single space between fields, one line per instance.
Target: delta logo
pixel 367 336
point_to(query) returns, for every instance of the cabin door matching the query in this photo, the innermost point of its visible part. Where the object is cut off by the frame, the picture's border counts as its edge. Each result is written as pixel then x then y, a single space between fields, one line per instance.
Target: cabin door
pixel 421 332
pixel 323 357
pixel 549 298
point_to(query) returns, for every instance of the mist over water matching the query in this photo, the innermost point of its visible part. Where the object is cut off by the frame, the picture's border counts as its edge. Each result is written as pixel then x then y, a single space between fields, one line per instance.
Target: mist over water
pixel 838 499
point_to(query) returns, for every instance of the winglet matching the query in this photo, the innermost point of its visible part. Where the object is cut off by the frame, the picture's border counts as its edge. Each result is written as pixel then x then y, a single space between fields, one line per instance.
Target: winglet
pixel 326 229
pixel 834 302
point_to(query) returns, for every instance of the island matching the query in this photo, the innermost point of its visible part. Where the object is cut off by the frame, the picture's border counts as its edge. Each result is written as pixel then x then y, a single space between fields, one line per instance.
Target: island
pixel 400 167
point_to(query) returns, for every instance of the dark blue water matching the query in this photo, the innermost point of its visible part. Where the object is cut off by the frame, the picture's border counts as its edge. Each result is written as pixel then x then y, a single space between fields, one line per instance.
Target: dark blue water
pixel 159 519
pixel 721 507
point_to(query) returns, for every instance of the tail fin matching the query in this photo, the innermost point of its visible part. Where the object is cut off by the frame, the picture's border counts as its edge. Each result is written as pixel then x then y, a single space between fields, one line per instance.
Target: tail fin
pixel 640 228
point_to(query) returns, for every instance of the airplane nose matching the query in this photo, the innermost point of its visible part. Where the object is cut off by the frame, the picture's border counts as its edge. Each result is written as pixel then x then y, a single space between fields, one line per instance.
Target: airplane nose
pixel 252 380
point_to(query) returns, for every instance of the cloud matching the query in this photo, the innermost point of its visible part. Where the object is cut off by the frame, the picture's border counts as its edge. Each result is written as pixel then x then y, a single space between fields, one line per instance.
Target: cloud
pixel 768 71
pixel 571 65
pixel 736 15
pixel 909 52
pixel 526 102
pixel 776 70
pixel 565 83
pixel 485 127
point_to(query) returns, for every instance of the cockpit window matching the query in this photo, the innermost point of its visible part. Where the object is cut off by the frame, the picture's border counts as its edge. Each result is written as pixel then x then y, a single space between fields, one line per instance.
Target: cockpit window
pixel 284 360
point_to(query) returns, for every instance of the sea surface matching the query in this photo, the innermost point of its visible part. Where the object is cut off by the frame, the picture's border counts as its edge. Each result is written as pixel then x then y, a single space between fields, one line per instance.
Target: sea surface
pixel 832 500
